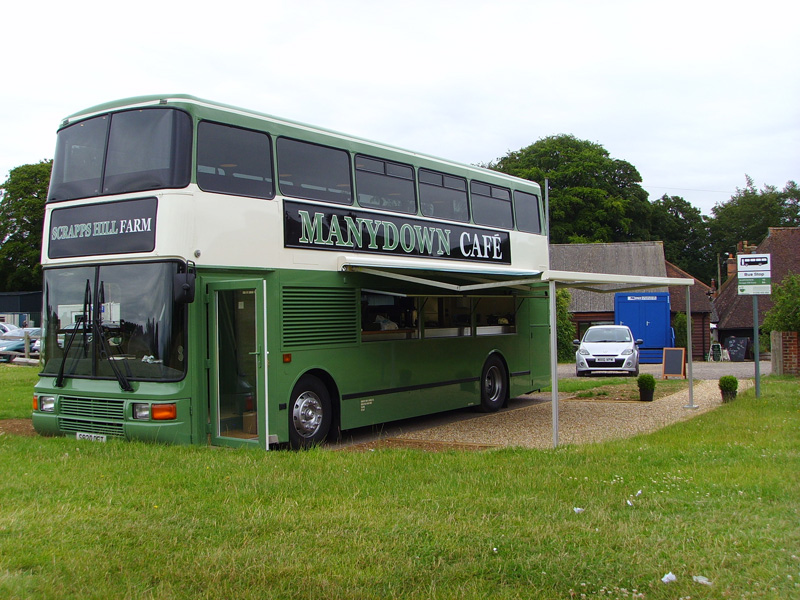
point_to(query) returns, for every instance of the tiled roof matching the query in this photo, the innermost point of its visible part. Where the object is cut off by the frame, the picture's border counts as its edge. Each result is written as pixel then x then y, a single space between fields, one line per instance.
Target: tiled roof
pixel 700 292
pixel 735 311
pixel 626 258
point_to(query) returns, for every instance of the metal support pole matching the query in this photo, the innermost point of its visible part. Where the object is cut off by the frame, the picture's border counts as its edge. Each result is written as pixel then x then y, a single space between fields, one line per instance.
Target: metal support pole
pixel 756 350
pixel 554 362
pixel 689 371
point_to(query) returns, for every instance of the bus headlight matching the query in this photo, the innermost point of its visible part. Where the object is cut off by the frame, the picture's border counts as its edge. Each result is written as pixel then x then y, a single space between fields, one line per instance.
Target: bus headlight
pixel 141 411
pixel 155 412
pixel 47 403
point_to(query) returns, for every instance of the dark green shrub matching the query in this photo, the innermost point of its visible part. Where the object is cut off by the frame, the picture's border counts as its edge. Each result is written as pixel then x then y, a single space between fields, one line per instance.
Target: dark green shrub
pixel 728 383
pixel 646 382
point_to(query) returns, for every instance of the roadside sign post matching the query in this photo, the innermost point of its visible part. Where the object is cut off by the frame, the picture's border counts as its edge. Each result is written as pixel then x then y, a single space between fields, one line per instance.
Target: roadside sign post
pixel 754 274
pixel 756 349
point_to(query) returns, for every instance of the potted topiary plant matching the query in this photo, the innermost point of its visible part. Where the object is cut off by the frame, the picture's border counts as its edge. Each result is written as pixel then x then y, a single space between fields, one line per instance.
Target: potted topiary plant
pixel 728 384
pixel 647 385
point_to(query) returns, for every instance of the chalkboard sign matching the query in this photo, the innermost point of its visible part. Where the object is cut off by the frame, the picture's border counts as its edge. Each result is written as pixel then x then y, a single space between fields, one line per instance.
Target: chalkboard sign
pixel 737 347
pixel 674 363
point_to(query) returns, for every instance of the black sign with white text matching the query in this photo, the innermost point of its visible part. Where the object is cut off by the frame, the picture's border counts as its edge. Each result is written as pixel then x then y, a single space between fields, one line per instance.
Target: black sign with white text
pixel 105 228
pixel 345 229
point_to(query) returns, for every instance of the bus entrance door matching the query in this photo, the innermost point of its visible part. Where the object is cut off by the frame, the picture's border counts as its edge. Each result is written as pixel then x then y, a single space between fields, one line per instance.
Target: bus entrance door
pixel 237 344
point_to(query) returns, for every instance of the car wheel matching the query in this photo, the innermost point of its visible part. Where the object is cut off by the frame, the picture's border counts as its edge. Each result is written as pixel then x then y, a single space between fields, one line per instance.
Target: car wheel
pixel 309 413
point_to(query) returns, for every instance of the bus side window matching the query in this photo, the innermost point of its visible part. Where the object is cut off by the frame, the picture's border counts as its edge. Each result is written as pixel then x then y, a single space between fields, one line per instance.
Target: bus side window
pixel 491 205
pixel 526 207
pixel 313 172
pixel 386 185
pixel 443 196
pixel 234 161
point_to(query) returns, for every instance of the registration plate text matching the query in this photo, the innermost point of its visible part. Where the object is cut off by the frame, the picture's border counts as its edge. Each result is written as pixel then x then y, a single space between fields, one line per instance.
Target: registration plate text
pixel 90 437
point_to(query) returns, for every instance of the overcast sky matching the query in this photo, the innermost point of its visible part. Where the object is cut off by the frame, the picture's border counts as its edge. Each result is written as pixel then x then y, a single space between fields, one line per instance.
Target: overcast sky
pixel 695 94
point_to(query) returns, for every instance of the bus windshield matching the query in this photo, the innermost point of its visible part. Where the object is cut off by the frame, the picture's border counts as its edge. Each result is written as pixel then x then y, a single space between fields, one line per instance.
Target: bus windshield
pixel 130 151
pixel 114 322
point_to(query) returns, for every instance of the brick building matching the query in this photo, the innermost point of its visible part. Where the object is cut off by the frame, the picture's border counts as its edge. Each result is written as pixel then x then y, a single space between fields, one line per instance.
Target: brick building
pixel 735 311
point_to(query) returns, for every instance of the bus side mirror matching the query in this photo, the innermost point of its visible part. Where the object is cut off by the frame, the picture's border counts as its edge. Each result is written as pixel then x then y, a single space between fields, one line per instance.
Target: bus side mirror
pixel 183 285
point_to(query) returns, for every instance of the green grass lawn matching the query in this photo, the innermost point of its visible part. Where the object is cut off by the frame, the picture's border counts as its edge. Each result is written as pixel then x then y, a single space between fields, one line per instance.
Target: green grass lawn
pixel 16 390
pixel 717 496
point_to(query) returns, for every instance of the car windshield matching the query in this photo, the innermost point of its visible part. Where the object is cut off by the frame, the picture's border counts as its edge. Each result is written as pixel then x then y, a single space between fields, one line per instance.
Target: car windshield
pixel 114 321
pixel 607 334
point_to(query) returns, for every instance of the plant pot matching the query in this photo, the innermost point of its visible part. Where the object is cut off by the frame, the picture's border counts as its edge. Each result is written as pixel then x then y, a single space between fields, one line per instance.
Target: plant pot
pixel 646 395
pixel 728 396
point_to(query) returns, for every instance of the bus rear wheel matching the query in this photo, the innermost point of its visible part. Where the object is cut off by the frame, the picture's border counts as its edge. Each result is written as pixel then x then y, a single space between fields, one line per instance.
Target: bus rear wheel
pixel 309 413
pixel 494 385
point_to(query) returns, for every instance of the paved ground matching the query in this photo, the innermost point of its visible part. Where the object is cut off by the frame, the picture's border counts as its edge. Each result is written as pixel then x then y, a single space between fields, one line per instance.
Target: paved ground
pixel 700 370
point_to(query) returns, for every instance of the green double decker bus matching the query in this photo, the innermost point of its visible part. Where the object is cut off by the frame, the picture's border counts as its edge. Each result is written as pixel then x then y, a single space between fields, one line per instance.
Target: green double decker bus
pixel 217 275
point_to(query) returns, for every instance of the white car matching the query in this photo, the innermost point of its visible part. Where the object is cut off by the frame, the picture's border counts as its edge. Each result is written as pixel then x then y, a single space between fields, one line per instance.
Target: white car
pixel 6 327
pixel 607 348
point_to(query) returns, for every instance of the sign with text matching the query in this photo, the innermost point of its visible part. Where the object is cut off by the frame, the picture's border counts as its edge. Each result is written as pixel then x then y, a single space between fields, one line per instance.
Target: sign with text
pixel 106 228
pixel 314 227
pixel 754 274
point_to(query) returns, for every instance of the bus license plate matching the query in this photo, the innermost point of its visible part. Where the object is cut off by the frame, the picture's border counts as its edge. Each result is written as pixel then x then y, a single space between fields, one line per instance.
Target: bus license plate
pixel 90 437
pixel 605 359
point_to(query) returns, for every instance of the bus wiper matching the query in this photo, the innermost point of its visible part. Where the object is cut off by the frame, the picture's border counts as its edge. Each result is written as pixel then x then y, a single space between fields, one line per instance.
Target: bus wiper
pixel 104 354
pixel 103 343
pixel 79 322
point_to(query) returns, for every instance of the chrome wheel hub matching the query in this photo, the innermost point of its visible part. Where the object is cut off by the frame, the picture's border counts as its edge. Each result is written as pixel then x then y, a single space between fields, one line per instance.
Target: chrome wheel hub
pixel 307 414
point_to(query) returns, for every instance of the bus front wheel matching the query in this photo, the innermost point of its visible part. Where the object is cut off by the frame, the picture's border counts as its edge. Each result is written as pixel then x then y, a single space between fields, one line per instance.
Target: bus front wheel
pixel 494 385
pixel 309 413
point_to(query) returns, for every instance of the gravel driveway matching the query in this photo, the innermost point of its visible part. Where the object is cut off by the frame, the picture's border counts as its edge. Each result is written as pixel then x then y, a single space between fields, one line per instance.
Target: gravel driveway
pixel 528 420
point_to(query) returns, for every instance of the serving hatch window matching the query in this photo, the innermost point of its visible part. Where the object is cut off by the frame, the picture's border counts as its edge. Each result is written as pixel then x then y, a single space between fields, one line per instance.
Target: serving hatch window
pixel 386 316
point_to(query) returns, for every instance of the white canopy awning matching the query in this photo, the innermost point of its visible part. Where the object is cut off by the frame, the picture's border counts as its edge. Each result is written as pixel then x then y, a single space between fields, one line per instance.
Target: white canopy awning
pixel 624 283
pixel 475 278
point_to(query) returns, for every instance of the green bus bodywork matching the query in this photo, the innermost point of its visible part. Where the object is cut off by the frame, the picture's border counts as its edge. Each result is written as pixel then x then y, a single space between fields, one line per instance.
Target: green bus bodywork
pixel 376 348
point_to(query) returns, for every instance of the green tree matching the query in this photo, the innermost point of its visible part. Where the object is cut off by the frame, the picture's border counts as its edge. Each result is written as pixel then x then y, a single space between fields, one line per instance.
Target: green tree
pixel 681 329
pixel 750 213
pixel 785 312
pixel 685 233
pixel 22 200
pixel 593 197
pixel 565 327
